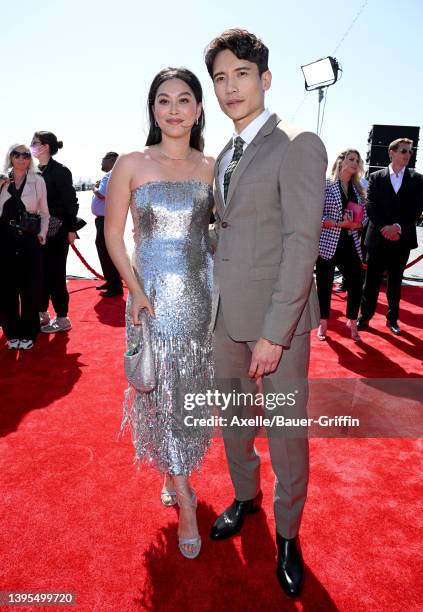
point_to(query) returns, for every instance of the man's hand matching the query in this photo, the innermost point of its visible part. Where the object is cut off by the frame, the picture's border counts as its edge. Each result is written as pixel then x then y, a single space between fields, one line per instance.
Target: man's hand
pixel 265 358
pixel 390 232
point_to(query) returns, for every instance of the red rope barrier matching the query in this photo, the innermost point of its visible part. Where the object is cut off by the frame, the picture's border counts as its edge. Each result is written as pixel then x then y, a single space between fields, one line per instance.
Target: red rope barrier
pixel 414 262
pixel 101 277
pixel 86 264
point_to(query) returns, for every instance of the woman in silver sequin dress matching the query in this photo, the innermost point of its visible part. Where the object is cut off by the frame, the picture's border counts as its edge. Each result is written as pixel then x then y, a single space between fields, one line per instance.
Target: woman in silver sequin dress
pixel 169 187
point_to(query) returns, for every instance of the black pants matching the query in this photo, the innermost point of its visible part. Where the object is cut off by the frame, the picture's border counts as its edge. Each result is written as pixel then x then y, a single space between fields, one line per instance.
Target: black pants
pixel 110 272
pixel 349 264
pixel 21 278
pixel 55 254
pixel 392 257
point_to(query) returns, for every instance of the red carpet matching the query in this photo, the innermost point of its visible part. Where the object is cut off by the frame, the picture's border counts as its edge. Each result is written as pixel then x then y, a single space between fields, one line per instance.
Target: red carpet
pixel 78 516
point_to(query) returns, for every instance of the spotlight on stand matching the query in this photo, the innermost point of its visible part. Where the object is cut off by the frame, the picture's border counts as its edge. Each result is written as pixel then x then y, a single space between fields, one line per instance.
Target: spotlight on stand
pixel 320 75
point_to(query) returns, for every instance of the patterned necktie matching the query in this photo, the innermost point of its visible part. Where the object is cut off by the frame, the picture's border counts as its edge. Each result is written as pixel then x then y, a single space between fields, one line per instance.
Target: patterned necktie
pixel 238 150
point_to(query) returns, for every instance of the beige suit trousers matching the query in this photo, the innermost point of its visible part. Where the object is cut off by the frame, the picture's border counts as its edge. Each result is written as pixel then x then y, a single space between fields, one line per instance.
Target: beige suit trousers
pixel 288 448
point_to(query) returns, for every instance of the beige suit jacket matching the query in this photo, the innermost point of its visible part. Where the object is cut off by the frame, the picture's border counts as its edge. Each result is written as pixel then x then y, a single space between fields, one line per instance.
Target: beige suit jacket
pixel 268 235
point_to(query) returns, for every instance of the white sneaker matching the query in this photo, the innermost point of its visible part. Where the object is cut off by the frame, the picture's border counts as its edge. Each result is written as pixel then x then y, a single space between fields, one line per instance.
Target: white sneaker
pixel 57 325
pixel 13 344
pixel 26 344
pixel 44 318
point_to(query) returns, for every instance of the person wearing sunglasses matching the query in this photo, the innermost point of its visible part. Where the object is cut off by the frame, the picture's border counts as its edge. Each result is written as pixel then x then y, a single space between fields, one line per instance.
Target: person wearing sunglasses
pixel 394 204
pixel 22 193
pixel 63 207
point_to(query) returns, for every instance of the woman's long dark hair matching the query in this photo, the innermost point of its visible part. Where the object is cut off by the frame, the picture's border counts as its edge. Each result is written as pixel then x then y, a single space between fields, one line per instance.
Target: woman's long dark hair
pixel 49 139
pixel 155 133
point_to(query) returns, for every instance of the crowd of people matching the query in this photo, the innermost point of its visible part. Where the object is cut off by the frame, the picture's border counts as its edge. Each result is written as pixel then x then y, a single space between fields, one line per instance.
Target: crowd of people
pixel 37 271
pixel 242 311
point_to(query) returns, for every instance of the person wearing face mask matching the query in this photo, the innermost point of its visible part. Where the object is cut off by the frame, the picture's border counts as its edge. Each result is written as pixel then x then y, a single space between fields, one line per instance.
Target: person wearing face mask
pixel 344 216
pixel 22 191
pixel 394 204
pixel 63 207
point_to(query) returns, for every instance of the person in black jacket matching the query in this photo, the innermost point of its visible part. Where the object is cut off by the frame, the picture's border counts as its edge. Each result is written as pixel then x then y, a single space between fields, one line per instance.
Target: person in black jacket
pixel 63 207
pixel 394 203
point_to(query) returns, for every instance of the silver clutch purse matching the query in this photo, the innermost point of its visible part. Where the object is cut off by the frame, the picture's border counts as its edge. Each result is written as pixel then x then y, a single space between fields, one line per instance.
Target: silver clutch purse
pixel 139 360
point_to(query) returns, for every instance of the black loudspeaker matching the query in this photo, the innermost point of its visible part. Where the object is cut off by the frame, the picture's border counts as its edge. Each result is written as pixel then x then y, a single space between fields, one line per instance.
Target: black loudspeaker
pixel 381 136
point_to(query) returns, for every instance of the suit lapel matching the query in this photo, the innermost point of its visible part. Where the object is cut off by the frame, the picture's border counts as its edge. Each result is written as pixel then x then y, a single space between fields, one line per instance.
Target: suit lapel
pixel 248 156
pixel 405 181
pixel 218 196
pixel 338 195
pixel 388 183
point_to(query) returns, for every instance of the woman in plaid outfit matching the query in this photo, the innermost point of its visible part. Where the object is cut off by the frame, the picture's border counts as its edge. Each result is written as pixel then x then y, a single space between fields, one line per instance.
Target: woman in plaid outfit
pixel 344 216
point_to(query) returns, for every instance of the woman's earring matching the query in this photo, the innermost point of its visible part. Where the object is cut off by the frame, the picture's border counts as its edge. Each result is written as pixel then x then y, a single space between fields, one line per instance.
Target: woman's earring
pixel 196 121
pixel 156 124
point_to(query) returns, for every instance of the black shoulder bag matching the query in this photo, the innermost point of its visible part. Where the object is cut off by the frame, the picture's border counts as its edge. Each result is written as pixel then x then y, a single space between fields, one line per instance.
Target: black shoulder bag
pixel 29 223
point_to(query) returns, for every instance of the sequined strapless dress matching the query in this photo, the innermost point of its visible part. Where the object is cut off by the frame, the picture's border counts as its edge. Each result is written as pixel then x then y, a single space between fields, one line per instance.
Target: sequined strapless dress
pixel 173 263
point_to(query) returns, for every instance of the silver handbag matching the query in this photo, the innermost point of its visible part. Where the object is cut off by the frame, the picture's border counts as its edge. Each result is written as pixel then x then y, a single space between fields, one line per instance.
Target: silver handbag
pixel 139 360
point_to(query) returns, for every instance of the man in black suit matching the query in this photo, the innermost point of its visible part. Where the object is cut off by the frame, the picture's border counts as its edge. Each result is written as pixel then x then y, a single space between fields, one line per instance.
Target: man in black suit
pixel 394 203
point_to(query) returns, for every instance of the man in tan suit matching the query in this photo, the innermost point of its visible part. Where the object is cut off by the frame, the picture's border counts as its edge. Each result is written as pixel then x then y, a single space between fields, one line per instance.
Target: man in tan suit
pixel 269 191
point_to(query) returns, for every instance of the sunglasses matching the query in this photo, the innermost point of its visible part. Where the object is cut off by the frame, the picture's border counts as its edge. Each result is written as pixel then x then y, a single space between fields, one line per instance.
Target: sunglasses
pixel 409 151
pixel 18 154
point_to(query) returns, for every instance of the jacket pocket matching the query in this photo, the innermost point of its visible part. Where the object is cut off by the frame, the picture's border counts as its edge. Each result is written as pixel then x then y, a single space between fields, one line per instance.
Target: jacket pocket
pixel 264 272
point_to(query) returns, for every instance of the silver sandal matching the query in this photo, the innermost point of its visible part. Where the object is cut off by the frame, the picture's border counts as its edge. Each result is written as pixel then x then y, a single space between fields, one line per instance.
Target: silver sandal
pixel 194 542
pixel 168 497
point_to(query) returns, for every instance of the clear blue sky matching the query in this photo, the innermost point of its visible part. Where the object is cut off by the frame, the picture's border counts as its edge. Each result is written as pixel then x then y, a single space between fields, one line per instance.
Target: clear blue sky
pixel 82 69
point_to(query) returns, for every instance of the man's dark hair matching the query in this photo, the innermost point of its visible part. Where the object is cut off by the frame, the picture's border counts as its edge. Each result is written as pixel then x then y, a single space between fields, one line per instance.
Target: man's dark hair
pixel 243 44
pixel 111 155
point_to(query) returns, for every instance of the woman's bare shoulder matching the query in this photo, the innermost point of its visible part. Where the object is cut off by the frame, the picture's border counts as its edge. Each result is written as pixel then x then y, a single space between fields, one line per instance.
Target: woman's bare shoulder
pixel 208 164
pixel 134 157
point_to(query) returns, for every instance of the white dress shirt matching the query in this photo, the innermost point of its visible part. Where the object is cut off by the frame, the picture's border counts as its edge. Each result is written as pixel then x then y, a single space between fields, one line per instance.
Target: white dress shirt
pixel 248 134
pixel 396 179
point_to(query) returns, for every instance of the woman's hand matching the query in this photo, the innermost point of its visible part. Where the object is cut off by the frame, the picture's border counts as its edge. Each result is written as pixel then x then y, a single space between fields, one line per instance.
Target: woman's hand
pixel 41 239
pixel 328 223
pixel 139 302
pixel 71 237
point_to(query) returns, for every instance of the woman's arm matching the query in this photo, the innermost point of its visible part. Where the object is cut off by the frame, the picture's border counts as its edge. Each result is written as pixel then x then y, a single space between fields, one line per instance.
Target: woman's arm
pixel 116 212
pixel 42 207
pixel 68 200
pixel 330 207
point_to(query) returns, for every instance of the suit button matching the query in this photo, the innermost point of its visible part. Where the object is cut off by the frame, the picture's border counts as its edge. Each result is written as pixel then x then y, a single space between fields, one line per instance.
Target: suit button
pixel 225 224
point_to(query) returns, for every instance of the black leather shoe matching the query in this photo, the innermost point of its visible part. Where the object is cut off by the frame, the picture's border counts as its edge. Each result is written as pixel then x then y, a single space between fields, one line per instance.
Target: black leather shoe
pixel 290 566
pixel 110 293
pixel 394 327
pixel 231 520
pixel 102 287
pixel 362 324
